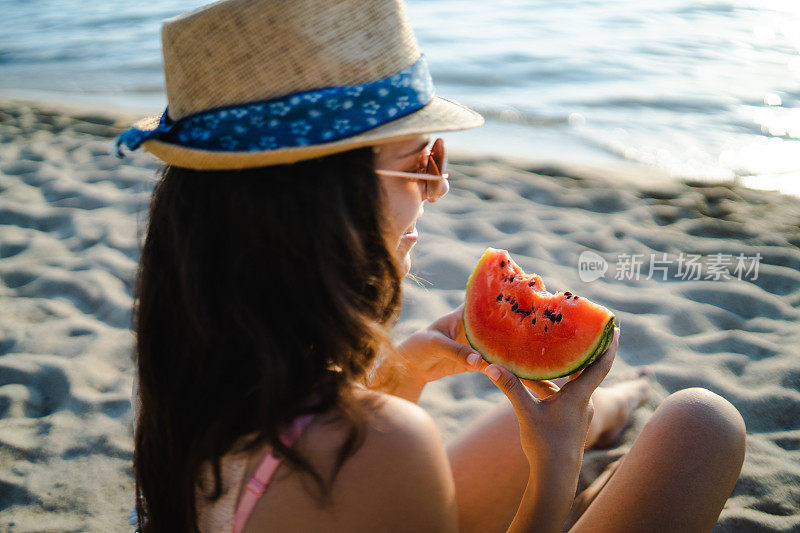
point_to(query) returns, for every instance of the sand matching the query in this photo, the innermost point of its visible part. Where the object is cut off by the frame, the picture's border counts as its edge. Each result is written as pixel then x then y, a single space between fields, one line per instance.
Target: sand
pixel 71 219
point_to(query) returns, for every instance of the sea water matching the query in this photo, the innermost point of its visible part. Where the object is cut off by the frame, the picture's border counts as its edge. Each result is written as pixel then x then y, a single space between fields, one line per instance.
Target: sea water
pixel 703 89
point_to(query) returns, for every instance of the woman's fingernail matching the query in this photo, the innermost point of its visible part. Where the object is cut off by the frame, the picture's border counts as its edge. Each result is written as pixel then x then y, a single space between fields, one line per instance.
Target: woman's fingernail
pixel 473 359
pixel 493 372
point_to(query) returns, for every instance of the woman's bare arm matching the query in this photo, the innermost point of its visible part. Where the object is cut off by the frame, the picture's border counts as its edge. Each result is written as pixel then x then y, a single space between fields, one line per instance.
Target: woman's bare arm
pixel 548 496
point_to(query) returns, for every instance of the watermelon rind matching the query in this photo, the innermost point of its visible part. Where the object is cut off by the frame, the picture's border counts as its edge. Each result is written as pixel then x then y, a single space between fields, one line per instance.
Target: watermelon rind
pixel 591 355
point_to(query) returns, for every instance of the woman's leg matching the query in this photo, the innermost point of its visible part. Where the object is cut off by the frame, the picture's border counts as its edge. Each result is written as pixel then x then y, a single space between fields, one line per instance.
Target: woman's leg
pixel 678 474
pixel 490 469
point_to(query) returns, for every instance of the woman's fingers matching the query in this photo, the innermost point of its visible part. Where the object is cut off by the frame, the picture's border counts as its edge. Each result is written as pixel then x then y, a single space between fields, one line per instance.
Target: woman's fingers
pixel 591 377
pixel 460 334
pixel 464 354
pixel 542 388
pixel 511 386
pixel 452 325
pixel 449 324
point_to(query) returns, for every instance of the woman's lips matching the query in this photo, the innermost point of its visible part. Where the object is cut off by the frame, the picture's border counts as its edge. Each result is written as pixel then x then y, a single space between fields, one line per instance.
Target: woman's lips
pixel 411 235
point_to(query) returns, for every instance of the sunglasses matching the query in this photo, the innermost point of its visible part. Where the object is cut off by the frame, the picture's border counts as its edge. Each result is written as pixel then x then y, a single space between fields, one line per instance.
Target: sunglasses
pixel 431 163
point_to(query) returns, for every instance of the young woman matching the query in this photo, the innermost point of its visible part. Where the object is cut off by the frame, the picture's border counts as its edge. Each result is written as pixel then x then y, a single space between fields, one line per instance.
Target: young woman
pixel 269 396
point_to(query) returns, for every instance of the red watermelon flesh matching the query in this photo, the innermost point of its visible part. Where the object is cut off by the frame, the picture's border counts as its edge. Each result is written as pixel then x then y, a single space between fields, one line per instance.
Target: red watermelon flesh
pixel 511 320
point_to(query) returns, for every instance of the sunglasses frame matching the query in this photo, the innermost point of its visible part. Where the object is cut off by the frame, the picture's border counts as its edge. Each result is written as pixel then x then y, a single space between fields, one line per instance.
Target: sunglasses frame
pixel 412 175
pixel 425 164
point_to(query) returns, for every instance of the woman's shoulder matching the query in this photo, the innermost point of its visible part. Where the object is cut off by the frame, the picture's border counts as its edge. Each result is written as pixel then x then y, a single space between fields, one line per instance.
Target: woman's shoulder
pixel 396 432
pixel 394 414
pixel 391 424
pixel 399 479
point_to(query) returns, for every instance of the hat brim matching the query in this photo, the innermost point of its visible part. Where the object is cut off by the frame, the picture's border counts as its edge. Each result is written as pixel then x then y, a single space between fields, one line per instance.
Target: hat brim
pixel 440 114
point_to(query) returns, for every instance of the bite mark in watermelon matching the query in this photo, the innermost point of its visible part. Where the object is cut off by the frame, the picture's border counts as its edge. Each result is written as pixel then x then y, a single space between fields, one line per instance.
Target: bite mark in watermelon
pixel 511 319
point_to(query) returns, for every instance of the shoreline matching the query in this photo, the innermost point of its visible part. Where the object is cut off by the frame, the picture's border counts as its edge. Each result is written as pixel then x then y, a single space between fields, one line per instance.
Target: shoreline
pixel 70 223
pixel 583 160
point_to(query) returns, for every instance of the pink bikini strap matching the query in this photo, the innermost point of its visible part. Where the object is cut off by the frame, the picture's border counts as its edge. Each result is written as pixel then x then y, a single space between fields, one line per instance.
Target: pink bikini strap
pixel 258 483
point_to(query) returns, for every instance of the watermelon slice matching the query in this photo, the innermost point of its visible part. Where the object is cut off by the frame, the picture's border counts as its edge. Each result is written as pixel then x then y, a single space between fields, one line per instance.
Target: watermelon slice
pixel 511 320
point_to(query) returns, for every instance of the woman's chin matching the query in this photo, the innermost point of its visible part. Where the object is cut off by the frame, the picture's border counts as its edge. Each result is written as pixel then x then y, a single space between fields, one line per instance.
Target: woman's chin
pixel 405 265
pixel 403 254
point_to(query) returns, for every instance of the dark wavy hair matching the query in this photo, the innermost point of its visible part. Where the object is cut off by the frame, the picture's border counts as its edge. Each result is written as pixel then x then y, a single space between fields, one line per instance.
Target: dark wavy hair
pixel 257 290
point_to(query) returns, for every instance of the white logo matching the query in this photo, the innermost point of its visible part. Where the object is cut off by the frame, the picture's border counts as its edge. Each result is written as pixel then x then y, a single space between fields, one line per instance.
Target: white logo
pixel 591 266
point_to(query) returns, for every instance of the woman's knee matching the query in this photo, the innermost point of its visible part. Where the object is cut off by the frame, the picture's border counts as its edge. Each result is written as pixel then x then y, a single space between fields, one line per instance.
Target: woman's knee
pixel 707 421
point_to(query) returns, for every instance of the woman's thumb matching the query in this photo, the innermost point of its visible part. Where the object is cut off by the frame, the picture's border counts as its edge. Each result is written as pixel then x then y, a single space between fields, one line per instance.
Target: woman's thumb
pixel 510 385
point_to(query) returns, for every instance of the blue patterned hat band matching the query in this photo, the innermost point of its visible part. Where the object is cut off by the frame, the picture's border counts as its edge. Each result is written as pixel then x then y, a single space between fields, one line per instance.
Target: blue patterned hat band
pixel 309 117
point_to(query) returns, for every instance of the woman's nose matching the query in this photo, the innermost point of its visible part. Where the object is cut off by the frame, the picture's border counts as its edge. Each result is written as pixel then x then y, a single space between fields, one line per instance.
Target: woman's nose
pixel 436 189
pixel 445 188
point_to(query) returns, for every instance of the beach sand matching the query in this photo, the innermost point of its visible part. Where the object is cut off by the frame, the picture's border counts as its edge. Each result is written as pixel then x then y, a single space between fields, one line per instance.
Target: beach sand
pixel 71 220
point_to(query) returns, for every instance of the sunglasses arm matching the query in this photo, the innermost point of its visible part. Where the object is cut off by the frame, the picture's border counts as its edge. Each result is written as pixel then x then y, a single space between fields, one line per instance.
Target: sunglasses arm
pixel 410 175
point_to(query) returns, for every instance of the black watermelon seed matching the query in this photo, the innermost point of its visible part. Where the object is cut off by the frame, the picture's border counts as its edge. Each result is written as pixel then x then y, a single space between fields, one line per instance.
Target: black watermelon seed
pixel 511 278
pixel 514 307
pixel 499 297
pixel 567 297
pixel 545 329
pixel 502 264
pixel 576 297
pixel 567 293
pixel 558 317
pixel 533 321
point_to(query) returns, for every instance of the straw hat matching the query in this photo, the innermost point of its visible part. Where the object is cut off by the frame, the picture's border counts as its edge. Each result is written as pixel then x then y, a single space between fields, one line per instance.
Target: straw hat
pixel 261 82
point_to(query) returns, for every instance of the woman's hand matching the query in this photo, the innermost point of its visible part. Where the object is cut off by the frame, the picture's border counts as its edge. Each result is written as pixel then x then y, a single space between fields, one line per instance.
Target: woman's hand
pixel 440 350
pixel 434 352
pixel 552 433
pixel 561 419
